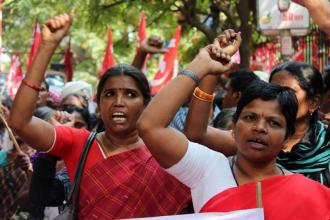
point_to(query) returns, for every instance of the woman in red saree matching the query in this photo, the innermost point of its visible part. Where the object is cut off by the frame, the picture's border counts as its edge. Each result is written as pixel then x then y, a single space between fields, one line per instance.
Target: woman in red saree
pixel 264 119
pixel 121 179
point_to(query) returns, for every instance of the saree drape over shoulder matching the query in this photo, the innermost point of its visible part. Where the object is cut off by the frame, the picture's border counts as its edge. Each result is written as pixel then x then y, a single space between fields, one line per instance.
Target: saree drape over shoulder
pixel 282 198
pixel 130 184
pixel 126 185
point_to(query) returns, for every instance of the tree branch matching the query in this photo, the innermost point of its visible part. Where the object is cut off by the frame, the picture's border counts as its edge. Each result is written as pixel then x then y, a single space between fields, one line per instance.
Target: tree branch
pixel 114 4
pixel 231 18
pixel 188 11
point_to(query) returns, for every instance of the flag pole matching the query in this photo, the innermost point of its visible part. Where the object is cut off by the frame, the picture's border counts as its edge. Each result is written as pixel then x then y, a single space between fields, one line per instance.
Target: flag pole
pixel 11 135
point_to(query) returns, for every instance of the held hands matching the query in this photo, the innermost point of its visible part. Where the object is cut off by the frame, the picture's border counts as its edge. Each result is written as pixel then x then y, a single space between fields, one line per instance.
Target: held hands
pixel 55 29
pixel 215 58
pixel 152 45
pixel 229 41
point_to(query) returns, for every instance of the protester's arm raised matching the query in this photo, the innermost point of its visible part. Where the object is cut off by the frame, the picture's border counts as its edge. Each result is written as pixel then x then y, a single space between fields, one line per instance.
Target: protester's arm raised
pixel 36 132
pixel 167 145
pixel 151 45
pixel 196 126
pixel 319 11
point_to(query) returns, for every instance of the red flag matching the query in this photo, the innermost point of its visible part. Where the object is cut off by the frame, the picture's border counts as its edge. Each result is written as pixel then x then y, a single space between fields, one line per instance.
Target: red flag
pixel 142 35
pixel 14 76
pixel 166 69
pixel 108 60
pixel 35 44
pixel 68 62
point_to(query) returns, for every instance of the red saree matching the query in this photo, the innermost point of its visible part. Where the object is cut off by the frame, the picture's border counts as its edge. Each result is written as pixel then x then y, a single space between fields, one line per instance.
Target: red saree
pixel 130 184
pixel 283 197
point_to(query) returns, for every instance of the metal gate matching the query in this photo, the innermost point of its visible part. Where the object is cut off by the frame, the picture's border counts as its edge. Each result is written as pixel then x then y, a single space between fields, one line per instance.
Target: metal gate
pixel 316 49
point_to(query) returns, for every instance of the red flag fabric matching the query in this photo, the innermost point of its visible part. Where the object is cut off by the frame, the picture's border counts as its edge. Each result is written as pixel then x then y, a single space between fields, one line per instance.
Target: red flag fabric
pixel 108 60
pixel 35 44
pixel 15 76
pixel 68 62
pixel 142 35
pixel 166 69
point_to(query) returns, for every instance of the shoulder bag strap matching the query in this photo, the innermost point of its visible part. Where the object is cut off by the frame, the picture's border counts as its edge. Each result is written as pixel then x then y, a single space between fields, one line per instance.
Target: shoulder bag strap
pixel 75 188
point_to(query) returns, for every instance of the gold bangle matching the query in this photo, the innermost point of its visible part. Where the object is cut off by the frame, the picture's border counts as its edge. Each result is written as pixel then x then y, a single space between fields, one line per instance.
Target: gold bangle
pixel 203 96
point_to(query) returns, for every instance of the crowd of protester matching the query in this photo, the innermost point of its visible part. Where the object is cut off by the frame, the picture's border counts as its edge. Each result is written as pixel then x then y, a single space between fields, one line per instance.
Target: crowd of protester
pixel 193 147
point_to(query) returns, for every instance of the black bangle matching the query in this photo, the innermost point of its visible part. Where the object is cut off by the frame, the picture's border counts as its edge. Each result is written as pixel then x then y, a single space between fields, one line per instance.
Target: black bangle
pixel 191 75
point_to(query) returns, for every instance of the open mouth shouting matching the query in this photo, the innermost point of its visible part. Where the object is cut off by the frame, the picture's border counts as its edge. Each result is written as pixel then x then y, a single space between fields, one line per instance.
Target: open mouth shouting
pixel 257 143
pixel 119 117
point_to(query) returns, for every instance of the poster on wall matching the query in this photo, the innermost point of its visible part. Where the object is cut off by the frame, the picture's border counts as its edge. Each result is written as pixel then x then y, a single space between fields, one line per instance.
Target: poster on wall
pixel 271 20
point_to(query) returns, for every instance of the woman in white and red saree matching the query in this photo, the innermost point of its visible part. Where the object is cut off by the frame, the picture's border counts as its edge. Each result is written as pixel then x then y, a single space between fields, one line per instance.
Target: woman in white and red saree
pixel 264 119
pixel 120 178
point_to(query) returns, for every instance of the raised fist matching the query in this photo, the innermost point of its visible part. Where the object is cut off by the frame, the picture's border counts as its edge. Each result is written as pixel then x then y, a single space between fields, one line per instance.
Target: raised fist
pixel 152 45
pixel 229 41
pixel 55 29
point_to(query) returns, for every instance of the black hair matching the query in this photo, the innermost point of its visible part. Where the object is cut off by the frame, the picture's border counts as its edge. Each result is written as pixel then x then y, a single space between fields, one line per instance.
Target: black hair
pixel 83 112
pixel 326 73
pixel 241 79
pixel 224 119
pixel 267 92
pixel 126 70
pixel 308 77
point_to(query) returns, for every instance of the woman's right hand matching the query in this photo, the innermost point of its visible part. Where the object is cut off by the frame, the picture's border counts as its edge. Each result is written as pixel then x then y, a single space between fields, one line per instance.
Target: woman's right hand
pixel 55 29
pixel 153 45
pixel 229 41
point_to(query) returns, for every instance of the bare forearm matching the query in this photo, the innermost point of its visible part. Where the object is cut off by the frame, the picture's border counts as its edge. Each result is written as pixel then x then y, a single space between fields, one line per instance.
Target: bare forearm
pixel 320 12
pixel 199 111
pixel 167 145
pixel 26 97
pixel 139 59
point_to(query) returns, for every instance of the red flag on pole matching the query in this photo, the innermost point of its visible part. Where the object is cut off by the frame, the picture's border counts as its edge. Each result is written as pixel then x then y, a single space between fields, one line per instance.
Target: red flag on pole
pixel 142 35
pixel 166 69
pixel 35 44
pixel 108 60
pixel 15 76
pixel 68 62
